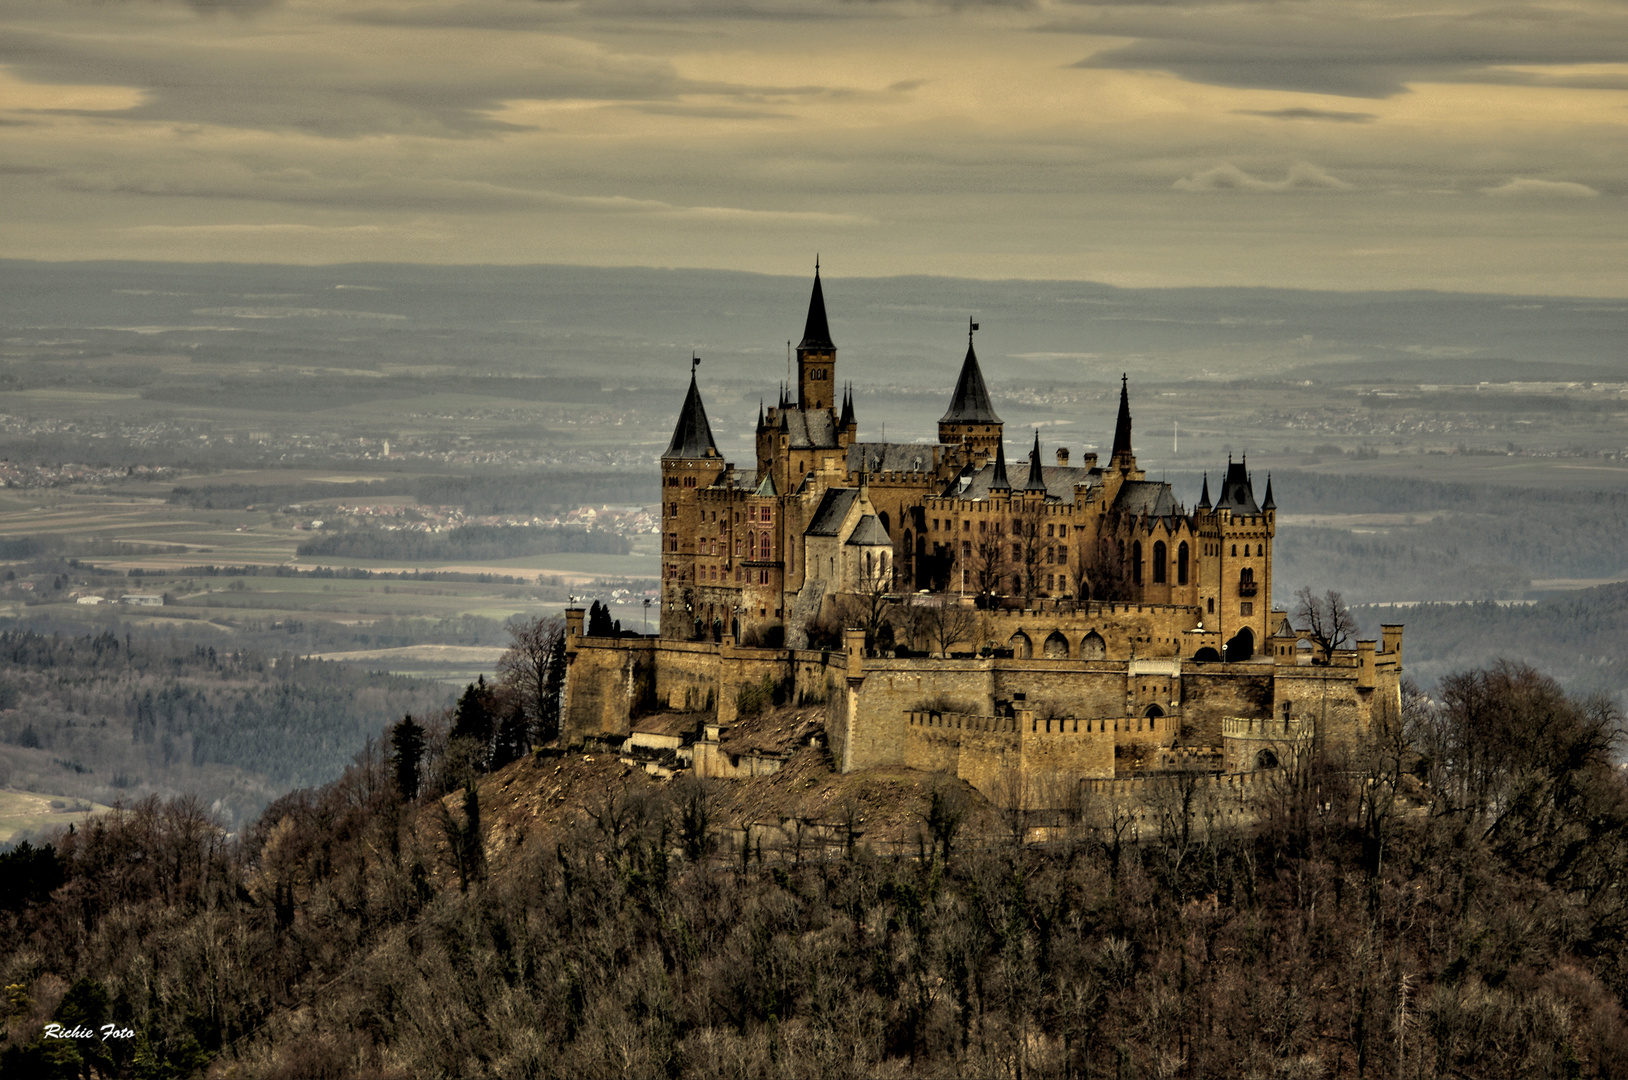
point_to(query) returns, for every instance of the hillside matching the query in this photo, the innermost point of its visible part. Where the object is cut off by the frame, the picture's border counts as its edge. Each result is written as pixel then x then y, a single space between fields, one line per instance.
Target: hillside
pixel 572 916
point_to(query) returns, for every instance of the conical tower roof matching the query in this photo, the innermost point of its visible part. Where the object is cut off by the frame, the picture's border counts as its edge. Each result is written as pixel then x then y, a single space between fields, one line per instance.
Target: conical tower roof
pixel 692 435
pixel 1122 425
pixel 970 402
pixel 1204 499
pixel 1270 503
pixel 847 419
pixel 816 331
pixel 999 482
pixel 1037 479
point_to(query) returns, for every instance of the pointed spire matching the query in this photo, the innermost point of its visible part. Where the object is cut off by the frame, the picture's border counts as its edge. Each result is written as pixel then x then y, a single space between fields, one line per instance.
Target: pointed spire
pixel 970 402
pixel 847 420
pixel 1122 425
pixel 1037 479
pixel 1204 499
pixel 692 436
pixel 1270 503
pixel 760 416
pixel 999 482
pixel 816 331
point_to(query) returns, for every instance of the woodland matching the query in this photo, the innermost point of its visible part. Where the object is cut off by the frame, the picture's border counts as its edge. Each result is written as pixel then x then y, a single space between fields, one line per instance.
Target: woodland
pixel 1444 901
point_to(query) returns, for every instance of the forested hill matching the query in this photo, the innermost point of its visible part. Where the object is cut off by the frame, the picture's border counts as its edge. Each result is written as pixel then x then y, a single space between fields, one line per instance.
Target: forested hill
pixel 472 542
pixel 1580 638
pixel 106 717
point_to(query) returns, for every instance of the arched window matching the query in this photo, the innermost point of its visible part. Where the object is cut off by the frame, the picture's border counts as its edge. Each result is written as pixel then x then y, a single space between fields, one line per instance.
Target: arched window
pixel 1092 647
pixel 1159 556
pixel 751 546
pixel 1181 564
pixel 763 544
pixel 1055 646
pixel 1136 563
pixel 886 525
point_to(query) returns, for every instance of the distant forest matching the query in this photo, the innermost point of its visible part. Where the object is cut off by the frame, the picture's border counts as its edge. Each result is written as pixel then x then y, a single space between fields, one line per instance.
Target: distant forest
pixel 522 493
pixel 114 716
pixel 1581 638
pixel 473 542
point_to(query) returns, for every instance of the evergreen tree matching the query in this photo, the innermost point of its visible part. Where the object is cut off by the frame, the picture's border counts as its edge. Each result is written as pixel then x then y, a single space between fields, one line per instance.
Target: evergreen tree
pixel 407 751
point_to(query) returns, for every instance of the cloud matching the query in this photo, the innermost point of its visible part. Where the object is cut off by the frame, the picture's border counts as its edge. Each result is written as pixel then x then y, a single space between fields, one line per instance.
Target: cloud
pixel 1370 50
pixel 1302 176
pixel 1311 114
pixel 1523 187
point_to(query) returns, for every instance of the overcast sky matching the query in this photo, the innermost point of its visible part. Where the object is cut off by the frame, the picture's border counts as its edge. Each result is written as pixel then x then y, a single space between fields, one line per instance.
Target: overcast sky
pixel 1474 145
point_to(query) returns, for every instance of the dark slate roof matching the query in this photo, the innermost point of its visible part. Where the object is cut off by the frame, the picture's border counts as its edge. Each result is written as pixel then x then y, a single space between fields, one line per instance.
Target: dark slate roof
pixel 890 457
pixel 1122 424
pixel 997 479
pixel 970 402
pixel 1270 503
pixel 692 435
pixel 827 519
pixel 1059 479
pixel 847 418
pixel 869 533
pixel 1204 499
pixel 1237 493
pixel 1150 497
pixel 1037 477
pixel 817 332
pixel 815 429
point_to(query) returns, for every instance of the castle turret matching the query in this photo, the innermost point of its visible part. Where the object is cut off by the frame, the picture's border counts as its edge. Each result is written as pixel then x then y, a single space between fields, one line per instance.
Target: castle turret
pixel 999 482
pixel 971 420
pixel 816 354
pixel 690 464
pixel 1123 458
pixel 1036 484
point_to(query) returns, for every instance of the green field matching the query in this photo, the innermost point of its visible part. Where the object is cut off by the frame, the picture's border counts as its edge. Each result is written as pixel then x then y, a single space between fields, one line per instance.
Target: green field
pixel 33 812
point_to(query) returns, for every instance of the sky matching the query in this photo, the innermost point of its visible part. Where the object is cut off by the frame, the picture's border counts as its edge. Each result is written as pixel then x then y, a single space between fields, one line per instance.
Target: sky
pixel 1330 144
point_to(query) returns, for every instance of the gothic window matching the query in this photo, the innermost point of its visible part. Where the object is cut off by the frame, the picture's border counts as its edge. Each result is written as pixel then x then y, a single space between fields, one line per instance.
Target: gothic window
pixel 1159 557
pixel 1136 563
pixel 763 544
pixel 1062 530
pixel 1235 549
pixel 1181 564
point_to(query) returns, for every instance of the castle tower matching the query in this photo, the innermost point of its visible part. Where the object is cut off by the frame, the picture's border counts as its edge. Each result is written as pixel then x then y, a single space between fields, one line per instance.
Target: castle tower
pixel 690 464
pixel 816 355
pixel 1236 577
pixel 971 420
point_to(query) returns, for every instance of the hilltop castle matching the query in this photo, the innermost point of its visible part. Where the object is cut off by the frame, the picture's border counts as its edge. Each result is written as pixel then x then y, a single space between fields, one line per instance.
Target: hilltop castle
pixel 1081 599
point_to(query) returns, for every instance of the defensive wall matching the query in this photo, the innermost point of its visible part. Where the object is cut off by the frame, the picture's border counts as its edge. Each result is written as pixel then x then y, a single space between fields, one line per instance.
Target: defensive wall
pixel 986 718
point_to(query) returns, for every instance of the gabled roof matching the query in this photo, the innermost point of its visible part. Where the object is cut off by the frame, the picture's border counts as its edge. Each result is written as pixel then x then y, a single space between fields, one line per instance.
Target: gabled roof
pixel 816 331
pixel 1122 424
pixel 869 533
pixel 815 429
pixel 1237 493
pixel 970 402
pixel 692 435
pixel 828 516
pixel 1150 497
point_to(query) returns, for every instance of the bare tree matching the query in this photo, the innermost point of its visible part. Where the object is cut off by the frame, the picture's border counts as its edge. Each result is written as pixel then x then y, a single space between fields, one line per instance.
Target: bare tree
pixel 943 624
pixel 533 672
pixel 1100 570
pixel 871 601
pixel 1327 618
pixel 989 567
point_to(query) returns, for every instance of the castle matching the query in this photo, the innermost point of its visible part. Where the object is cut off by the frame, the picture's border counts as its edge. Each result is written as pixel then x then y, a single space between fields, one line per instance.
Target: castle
pixel 1059 623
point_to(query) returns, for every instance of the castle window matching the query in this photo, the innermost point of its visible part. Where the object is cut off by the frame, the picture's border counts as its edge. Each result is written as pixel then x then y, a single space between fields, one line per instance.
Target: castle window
pixel 1051 530
pixel 983 526
pixel 966 526
pixel 1235 549
pixel 966 549
pixel 1246 608
pixel 1211 608
pixel 751 513
pixel 737 548
pixel 1017 552
pixel 1136 563
pixel 1062 530
pixel 751 546
pixel 1181 564
pixel 1017 583
pixel 1051 582
pixel 1159 558
pixel 763 544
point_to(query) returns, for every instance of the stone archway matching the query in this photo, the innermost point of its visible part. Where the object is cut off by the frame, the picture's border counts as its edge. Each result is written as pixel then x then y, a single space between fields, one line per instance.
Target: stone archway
pixel 1206 655
pixel 1153 712
pixel 1022 648
pixel 1266 759
pixel 1242 646
pixel 1092 647
pixel 1055 646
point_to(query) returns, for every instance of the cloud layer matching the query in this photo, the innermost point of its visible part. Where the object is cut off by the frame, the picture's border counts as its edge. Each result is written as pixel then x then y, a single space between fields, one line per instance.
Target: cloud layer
pixel 1347 143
